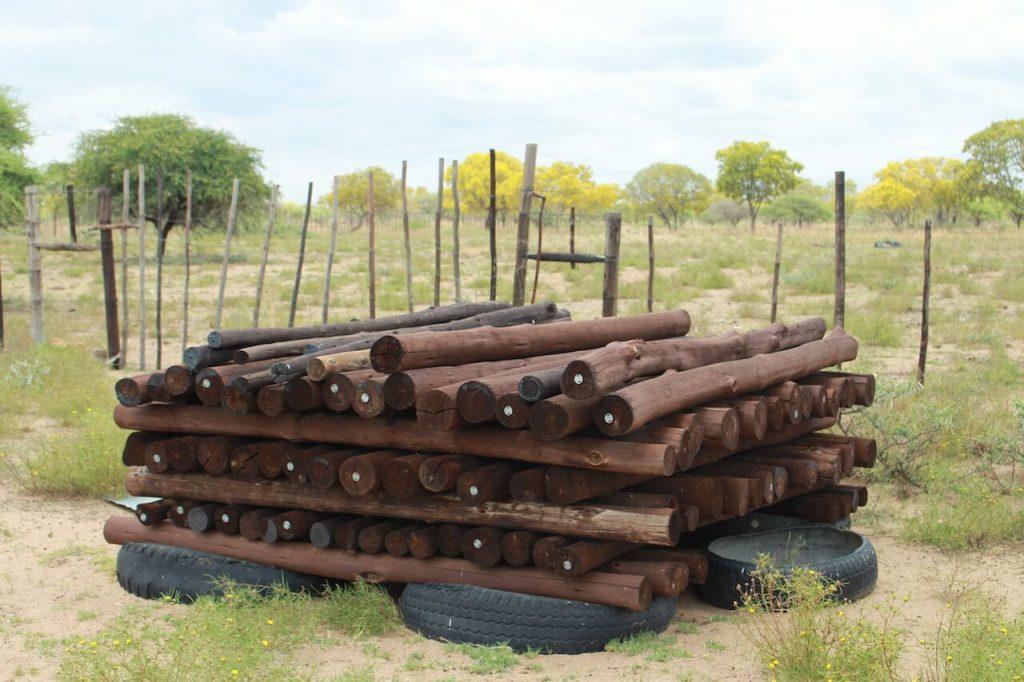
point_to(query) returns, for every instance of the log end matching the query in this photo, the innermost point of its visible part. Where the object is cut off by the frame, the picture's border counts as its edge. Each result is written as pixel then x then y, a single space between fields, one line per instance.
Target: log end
pixel 578 380
pixel 475 402
pixel 386 354
pixel 614 416
pixel 399 391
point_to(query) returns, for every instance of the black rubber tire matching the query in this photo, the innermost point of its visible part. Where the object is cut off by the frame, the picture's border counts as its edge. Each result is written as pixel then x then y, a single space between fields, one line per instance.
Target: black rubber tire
pixel 754 522
pixel 477 615
pixel 151 571
pixel 854 566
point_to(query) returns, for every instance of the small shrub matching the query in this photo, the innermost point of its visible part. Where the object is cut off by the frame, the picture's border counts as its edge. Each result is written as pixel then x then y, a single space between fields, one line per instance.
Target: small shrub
pixel 361 608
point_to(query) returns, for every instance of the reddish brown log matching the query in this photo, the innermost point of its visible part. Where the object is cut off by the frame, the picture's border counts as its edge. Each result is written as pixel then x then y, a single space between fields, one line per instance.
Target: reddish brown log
pixel 826 509
pixel 228 518
pixel 569 486
pixel 528 485
pixel 159 455
pixel 864 449
pixel 624 591
pixel 441 472
pixel 753 415
pixel 800 473
pixel 668 578
pixel 237 400
pixel 517 547
pixel 844 387
pixel 399 353
pixel 396 543
pixel 360 475
pixel 368 398
pixel 512 411
pixel 422 542
pixel 321 533
pixel 251 523
pixel 488 483
pixel 179 380
pixel 319 368
pixel 863 385
pixel 214 452
pixel 776 410
pixel 687 421
pixel 544 550
pixel 211 381
pixel 156 389
pixel 706 494
pixel 297 462
pixel 134 452
pixel 132 391
pixel 558 416
pixel 588 453
pixel 371 538
pixel 710 454
pixel 177 513
pixel 482 546
pixel 477 399
pixel 818 399
pixel 338 389
pixel 631 498
pixel 270 399
pixel 695 561
pixel 303 394
pixel 771 481
pixel 346 533
pixel 585 556
pixel 401 478
pixel 721 426
pixel 436 409
pixel 604 369
pixel 788 392
pixel 149 513
pixel 449 540
pixel 324 468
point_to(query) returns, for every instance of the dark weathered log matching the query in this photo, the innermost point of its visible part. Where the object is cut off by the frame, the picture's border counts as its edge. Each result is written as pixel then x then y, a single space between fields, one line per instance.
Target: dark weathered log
pixel 511 411
pixel 232 338
pixel 544 550
pixel 401 475
pixel 149 513
pixel 528 485
pixel 651 526
pixel 441 472
pixel 270 456
pixel 624 591
pixel 201 517
pixel 695 560
pixel 297 463
pixel 321 533
pixel 270 399
pixel 134 452
pixel 324 468
pixel 436 409
pixel 132 391
pixel 819 509
pixel 361 475
pixel 303 394
pixel 449 540
pixel 629 408
pixel 477 399
pixel 800 473
pixel 709 453
pixel 396 543
pixel 394 353
pixel 482 546
pixel 605 369
pixel 156 389
pixel 228 517
pixel 182 453
pixel 179 380
pixel 422 542
pixel 846 390
pixel 214 452
pixel 559 416
pixel 569 486
pixel 252 522
pixel 346 534
pixel 371 538
pixel 160 454
pixel 199 357
pixel 338 389
pixel 177 513
pixel 707 494
pixel 590 453
pixel 488 483
pixel 584 556
pixel 865 450
pixel 767 482
pixel 541 384
pixel 668 578
pixel 631 498
pixel 517 547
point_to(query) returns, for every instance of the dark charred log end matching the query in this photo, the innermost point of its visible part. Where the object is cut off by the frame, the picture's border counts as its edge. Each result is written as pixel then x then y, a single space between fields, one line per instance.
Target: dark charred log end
pixel 386 354
pixel 548 420
pixel 270 400
pixel 578 380
pixel 236 400
pixel 399 391
pixel 368 399
pixel 214 339
pixel 530 388
pixel 192 357
pixel 240 356
pixel 156 387
pixel 200 519
pixel 302 394
pixel 178 380
pixel 209 387
pixel 270 532
pixel 475 402
pixel 129 393
pixel 613 416
pixel 512 411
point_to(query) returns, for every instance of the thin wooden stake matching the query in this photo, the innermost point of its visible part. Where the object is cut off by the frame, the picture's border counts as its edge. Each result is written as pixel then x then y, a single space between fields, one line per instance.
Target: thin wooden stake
pixel 232 214
pixel 405 236
pixel 325 310
pixel 266 254
pixel 923 353
pixel 126 204
pixel 161 247
pixel 437 232
pixel 523 230
pixel 572 234
pixel 188 258
pixel 302 256
pixel 1 305
pixel 778 269
pixel 372 254
pixel 35 271
pixel 142 266
pixel 492 219
pixel 104 217
pixel 839 318
pixel 455 231
pixel 650 263
pixel 610 293
pixel 72 226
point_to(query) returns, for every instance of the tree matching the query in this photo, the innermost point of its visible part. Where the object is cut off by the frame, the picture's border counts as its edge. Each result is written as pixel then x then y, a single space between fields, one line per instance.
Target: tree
pixel 354 193
pixel 15 171
pixel 891 199
pixel 797 208
pixel 168 145
pixel 671 191
pixel 475 178
pixel 907 188
pixel 753 173
pixel 725 211
pixel 998 150
pixel 566 185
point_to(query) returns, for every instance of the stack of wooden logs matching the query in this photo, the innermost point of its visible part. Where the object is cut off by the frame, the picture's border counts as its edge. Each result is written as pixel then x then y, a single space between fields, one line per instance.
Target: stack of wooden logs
pixel 502 447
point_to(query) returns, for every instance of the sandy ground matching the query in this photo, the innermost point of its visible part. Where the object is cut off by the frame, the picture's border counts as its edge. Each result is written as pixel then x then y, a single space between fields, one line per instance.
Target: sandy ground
pixel 56 582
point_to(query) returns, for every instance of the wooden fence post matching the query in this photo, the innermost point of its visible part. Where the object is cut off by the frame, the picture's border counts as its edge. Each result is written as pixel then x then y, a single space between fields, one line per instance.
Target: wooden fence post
pixel 610 294
pixel 650 263
pixel 126 204
pixel 455 232
pixel 72 223
pixel 492 218
pixel 840 308
pixel 405 236
pixel 302 256
pixel 188 258
pixel 523 227
pixel 324 311
pixel 1 305
pixel 35 272
pixel 266 254
pixel 232 215
pixel 777 270
pixel 161 247
pixel 142 266
pixel 372 255
pixel 923 352
pixel 105 217
pixel 437 232
pixel 572 234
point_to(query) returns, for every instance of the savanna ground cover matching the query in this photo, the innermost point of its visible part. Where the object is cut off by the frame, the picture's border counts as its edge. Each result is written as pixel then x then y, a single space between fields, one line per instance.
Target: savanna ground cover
pixel 947 496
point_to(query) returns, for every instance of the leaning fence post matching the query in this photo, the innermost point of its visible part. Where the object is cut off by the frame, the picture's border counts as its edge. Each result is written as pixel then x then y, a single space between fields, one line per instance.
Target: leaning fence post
pixel 923 353
pixel 455 232
pixel 492 216
pixel 35 273
pixel 104 218
pixel 405 236
pixel 650 263
pixel 839 319
pixel 775 274
pixel 232 214
pixel 72 223
pixel 325 309
pixel 302 256
pixel 523 227
pixel 437 232
pixel 266 254
pixel 610 295
pixel 372 256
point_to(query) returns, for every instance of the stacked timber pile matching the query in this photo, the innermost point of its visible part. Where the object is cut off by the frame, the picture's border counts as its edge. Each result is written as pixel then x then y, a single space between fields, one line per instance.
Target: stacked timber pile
pixel 546 456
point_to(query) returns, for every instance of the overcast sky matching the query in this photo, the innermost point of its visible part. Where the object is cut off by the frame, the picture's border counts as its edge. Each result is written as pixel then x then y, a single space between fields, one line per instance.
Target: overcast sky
pixel 328 87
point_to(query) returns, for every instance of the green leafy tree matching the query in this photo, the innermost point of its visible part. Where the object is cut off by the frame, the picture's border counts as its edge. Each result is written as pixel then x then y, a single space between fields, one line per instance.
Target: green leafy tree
pixel 998 151
pixel 725 211
pixel 753 173
pixel 670 191
pixel 15 171
pixel 798 209
pixel 168 145
pixel 354 193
